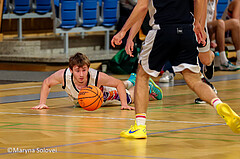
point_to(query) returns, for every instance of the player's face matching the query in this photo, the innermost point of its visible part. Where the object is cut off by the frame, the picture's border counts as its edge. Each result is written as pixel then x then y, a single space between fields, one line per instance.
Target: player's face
pixel 80 73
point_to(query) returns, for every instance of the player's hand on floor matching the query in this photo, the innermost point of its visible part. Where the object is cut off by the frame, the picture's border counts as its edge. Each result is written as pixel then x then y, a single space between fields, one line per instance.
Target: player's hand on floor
pixel 41 106
pixel 126 107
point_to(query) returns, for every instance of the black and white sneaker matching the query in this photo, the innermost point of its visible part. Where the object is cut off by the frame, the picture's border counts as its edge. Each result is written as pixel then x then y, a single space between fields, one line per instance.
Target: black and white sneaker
pixel 199 101
pixel 210 84
pixel 208 71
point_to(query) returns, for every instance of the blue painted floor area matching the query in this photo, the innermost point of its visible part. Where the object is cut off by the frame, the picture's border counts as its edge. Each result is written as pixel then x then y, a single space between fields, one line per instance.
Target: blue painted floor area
pixel 40 76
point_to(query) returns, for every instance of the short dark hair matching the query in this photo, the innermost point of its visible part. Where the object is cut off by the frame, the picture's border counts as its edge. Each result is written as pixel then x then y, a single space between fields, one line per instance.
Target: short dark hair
pixel 78 59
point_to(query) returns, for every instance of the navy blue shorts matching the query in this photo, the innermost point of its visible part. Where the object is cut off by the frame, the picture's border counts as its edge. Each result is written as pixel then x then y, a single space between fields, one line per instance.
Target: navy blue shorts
pixel 176 43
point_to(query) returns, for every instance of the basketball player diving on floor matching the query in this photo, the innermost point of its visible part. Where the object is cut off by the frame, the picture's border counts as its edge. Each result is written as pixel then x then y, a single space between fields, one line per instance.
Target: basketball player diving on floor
pixel 79 75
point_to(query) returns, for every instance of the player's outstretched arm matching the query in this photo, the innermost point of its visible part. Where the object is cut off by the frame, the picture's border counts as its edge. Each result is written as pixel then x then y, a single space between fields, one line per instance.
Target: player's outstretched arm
pixel 139 12
pixel 133 32
pixel 199 31
pixel 54 79
pixel 106 80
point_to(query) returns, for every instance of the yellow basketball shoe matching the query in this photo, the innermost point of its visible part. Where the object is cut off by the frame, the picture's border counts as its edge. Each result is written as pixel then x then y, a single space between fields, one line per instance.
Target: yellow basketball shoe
pixel 230 117
pixel 135 132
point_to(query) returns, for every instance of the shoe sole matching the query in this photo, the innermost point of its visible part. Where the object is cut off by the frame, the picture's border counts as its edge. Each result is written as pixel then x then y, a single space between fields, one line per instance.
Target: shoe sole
pixel 132 137
pixel 122 134
pixel 226 69
pixel 167 81
pixel 225 111
pixel 203 102
pixel 157 87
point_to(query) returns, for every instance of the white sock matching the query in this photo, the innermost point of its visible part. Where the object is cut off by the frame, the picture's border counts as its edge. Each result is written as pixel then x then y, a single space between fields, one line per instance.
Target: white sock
pixel 215 102
pixel 238 55
pixel 141 119
pixel 129 84
pixel 223 58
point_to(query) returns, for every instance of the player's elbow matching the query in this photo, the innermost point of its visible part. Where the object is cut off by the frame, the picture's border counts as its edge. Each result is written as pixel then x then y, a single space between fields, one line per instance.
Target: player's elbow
pixel 144 8
pixel 46 83
pixel 120 84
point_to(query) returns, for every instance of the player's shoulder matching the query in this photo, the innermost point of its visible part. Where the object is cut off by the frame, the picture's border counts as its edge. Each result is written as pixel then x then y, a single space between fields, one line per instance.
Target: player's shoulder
pixel 60 73
pixel 63 71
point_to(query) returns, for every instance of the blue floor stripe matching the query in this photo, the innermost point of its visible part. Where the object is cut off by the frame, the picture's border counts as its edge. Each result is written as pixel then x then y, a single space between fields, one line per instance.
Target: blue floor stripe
pixel 31 97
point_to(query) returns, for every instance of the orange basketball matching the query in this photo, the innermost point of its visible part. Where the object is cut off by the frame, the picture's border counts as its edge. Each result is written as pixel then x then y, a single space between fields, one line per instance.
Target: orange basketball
pixel 90 98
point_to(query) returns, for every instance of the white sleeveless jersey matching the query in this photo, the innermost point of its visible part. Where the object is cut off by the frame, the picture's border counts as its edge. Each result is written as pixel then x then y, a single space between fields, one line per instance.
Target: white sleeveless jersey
pixel 70 87
pixel 211 6
pixel 110 94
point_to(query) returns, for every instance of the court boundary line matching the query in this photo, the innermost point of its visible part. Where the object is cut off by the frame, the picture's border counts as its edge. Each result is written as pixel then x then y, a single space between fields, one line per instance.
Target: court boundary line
pixel 109 118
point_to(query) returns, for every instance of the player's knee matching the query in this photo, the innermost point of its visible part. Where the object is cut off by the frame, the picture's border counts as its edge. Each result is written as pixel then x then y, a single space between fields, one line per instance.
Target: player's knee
pixel 221 24
pixel 235 23
pixel 191 78
pixel 141 73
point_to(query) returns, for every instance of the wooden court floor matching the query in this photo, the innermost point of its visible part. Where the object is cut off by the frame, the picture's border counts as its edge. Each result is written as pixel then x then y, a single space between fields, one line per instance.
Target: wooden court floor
pixel 177 128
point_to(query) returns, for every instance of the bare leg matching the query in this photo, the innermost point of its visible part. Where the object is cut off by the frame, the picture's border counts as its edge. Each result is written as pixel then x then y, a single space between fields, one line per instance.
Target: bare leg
pixel 234 6
pixel 195 83
pixel 234 26
pixel 218 27
pixel 131 91
pixel 141 94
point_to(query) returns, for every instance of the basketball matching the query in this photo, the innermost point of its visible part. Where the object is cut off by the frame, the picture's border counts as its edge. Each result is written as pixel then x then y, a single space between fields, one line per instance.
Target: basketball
pixel 90 98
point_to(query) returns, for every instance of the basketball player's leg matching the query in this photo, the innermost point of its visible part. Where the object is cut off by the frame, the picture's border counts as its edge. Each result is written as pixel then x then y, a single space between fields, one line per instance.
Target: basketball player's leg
pixel 217 27
pixel 195 83
pixel 234 26
pixel 141 91
pixel 207 94
pixel 141 102
pixel 234 8
pixel 148 65
pixel 192 77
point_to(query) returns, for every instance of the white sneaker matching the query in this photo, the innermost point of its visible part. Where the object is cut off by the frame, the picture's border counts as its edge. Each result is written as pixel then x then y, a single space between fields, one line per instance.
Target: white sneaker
pixel 167 77
pixel 228 67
